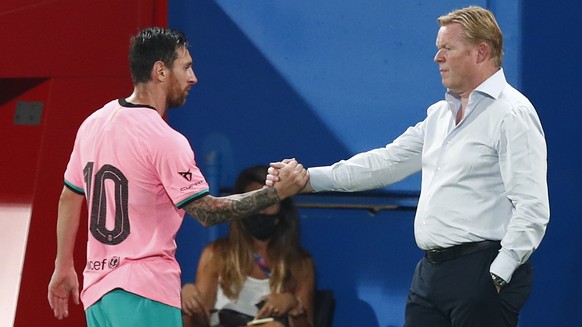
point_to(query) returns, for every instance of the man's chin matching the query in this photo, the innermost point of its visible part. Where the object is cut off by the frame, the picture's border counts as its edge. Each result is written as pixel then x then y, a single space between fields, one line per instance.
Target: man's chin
pixel 176 104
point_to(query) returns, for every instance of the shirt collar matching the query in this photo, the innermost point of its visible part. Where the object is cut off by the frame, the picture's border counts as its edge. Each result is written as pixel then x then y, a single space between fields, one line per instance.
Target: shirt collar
pixel 493 85
pixel 490 87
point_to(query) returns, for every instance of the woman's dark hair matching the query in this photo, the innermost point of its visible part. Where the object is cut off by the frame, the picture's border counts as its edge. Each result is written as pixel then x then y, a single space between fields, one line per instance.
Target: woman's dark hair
pixel 150 45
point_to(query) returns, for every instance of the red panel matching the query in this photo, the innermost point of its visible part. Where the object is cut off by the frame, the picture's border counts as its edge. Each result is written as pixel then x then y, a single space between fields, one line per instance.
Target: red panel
pixel 20 143
pixel 79 51
pixel 161 10
pixel 70 37
pixel 76 99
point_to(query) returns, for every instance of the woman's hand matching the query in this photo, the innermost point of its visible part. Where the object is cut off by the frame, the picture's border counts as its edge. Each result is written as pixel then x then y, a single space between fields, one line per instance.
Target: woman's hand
pixel 277 305
pixel 192 303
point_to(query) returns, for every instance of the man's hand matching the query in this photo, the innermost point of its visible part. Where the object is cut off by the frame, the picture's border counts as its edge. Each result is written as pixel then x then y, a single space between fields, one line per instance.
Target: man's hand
pixel 63 283
pixel 276 169
pixel 291 178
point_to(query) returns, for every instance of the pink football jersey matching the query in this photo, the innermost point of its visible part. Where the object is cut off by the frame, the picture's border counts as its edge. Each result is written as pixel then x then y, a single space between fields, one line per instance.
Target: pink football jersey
pixel 136 172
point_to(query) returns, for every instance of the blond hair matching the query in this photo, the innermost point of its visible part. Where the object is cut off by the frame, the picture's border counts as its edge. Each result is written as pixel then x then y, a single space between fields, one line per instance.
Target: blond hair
pixel 479 25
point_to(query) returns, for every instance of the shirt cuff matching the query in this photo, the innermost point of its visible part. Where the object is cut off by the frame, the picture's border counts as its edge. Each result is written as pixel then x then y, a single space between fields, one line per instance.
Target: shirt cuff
pixel 321 178
pixel 504 266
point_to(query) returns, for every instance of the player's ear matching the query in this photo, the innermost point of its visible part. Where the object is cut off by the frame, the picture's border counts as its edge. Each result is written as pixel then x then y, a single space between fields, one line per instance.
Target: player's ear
pixel 159 71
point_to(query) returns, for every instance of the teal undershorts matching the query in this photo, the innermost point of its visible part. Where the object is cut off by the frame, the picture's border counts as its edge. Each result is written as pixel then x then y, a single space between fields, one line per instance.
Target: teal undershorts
pixel 119 308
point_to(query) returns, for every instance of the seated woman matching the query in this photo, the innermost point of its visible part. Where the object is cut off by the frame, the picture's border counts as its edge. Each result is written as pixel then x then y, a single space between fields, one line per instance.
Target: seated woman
pixel 259 264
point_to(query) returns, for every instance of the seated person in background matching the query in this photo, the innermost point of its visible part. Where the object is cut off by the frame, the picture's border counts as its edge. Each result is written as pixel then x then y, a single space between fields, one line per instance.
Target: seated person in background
pixel 260 260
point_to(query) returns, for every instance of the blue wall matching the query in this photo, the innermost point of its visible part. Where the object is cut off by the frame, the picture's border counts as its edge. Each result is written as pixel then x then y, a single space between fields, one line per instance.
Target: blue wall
pixel 552 50
pixel 323 80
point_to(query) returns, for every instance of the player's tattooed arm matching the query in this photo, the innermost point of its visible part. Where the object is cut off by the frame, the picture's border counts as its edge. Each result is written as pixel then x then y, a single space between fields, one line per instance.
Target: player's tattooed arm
pixel 210 210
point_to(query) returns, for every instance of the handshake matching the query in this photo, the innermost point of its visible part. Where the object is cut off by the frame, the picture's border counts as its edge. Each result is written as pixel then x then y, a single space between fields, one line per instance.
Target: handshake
pixel 288 177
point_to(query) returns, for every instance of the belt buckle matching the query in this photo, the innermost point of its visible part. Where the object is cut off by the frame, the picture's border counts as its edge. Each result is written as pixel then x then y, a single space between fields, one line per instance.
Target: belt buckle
pixel 439 255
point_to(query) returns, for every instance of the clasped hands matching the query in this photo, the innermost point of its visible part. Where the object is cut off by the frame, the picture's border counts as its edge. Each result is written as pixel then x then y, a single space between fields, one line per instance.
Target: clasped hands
pixel 285 172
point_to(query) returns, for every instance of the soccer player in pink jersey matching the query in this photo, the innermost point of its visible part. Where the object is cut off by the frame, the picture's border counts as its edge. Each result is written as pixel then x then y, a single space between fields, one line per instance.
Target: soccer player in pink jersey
pixel 139 177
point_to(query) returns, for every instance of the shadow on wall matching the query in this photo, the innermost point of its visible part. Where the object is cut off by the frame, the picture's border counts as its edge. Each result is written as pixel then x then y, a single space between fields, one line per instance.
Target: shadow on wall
pixel 254 116
pixel 242 111
pixel 367 260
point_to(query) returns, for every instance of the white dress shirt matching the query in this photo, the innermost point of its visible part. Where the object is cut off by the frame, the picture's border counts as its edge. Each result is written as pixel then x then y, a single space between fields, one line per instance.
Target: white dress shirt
pixel 482 179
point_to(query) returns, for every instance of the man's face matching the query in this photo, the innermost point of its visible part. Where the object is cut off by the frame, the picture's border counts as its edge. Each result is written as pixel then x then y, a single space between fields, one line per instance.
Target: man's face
pixel 181 79
pixel 457 59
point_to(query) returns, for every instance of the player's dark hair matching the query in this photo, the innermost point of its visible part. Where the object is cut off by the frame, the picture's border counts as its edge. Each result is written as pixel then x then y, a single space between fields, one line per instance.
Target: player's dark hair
pixel 150 45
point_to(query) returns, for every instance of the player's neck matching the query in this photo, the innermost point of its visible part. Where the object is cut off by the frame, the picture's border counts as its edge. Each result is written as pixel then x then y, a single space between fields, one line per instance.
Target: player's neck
pixel 143 94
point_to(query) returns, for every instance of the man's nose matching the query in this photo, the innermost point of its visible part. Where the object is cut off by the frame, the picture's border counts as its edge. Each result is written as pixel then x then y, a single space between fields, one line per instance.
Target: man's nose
pixel 438 57
pixel 192 78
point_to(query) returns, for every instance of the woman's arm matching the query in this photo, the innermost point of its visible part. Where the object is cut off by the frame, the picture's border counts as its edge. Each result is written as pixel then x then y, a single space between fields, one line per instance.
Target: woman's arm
pixel 198 299
pixel 302 315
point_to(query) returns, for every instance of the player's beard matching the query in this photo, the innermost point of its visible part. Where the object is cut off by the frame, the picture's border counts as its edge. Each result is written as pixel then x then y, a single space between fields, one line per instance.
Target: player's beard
pixel 176 96
pixel 176 99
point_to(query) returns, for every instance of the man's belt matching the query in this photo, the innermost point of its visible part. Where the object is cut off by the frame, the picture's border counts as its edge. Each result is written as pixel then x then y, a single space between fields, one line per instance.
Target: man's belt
pixel 453 252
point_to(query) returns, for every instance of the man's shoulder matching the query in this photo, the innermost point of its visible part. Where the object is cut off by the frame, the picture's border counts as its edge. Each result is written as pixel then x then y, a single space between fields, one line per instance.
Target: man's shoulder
pixel 109 106
pixel 513 95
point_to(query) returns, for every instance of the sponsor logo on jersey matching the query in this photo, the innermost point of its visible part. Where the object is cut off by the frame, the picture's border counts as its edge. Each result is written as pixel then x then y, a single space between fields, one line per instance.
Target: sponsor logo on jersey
pixel 190 186
pixel 186 174
pixel 107 263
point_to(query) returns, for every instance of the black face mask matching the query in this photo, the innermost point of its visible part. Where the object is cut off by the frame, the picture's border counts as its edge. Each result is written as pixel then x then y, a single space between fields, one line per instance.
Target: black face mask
pixel 262 227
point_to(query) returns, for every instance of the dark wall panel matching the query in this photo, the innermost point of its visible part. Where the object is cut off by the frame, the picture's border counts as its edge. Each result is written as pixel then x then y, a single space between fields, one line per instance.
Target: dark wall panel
pixel 551 78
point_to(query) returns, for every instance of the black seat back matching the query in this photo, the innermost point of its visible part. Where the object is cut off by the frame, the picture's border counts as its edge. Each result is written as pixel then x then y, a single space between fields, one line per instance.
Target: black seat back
pixel 323 307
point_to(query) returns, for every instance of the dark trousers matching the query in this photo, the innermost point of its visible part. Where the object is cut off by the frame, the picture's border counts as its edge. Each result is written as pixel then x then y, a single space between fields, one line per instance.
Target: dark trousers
pixel 460 293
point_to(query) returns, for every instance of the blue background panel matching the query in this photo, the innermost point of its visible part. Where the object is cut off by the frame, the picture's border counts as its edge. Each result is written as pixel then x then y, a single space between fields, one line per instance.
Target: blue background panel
pixel 319 81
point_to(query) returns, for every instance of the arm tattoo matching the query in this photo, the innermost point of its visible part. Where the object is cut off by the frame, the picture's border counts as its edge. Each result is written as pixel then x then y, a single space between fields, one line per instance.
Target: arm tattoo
pixel 211 210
